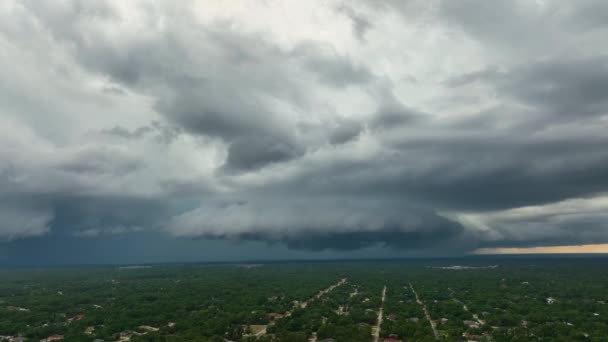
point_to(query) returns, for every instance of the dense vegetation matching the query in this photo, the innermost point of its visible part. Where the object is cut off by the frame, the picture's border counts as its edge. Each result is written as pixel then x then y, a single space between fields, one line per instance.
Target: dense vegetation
pixel 523 299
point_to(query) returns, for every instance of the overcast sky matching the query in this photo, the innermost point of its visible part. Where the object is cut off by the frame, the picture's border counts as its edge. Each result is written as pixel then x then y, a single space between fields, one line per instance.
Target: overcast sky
pixel 145 131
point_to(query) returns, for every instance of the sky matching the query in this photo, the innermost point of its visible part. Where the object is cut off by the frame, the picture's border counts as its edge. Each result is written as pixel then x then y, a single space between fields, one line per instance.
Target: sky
pixel 168 131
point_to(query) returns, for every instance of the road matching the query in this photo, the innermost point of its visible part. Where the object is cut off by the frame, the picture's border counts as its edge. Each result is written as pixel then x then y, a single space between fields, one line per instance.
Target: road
pixel 465 308
pixel 317 296
pixel 379 320
pixel 426 313
pixel 303 304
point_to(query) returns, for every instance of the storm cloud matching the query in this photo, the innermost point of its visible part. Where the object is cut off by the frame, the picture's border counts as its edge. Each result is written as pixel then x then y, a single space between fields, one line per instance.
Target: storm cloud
pixel 425 126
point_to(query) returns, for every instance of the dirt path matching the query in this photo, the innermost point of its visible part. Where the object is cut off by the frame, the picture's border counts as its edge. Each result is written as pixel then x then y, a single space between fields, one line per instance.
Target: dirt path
pixel 379 320
pixel 261 332
pixel 426 313
pixel 465 308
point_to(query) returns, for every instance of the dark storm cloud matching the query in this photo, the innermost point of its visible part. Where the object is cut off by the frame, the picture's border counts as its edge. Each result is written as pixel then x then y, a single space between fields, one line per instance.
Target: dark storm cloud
pixel 255 152
pixel 125 133
pixel 553 229
pixel 160 132
pixel 394 116
pixel 345 131
pixel 320 225
pixel 112 214
pixel 569 88
pixel 443 235
pixel 321 145
pixel 472 172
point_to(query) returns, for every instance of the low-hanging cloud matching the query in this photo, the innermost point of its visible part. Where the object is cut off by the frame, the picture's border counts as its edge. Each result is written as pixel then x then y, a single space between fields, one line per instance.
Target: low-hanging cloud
pixel 318 224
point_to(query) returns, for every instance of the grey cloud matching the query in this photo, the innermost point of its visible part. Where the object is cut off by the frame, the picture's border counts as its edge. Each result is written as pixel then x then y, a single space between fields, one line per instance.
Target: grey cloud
pixel 345 131
pixel 336 71
pixel 226 88
pixel 394 116
pixel 568 88
pixel 319 224
pixel 21 220
pixel 360 23
pixel 113 90
pixel 110 214
pixel 99 159
pixel 486 74
pixel 125 133
pixel 255 152
pixel 552 230
pixel 466 172
pixel 507 26
pixel 161 132
pixel 552 90
pixel 588 15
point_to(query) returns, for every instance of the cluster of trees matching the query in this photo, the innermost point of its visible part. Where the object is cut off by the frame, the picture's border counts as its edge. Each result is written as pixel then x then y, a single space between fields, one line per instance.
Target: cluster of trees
pixel 219 302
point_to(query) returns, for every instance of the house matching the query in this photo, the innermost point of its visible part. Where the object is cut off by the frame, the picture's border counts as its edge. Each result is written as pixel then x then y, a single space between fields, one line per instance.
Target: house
pixel 473 338
pixel 471 324
pixel 444 320
pixel 414 319
pixel 274 315
pixel 551 300
pixel 148 328
pixel 76 318
pixel 52 338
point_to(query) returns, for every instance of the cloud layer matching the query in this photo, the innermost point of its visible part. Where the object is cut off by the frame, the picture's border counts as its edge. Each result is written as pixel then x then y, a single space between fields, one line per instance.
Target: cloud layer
pixel 316 125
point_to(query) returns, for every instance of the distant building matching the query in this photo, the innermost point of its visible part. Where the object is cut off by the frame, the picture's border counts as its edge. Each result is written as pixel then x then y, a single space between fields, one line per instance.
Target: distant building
pixel 274 315
pixel 471 324
pixel 76 318
pixel 52 338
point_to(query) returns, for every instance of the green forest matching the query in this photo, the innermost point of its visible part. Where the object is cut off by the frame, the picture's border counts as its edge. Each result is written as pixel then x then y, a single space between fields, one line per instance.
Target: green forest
pixel 469 299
